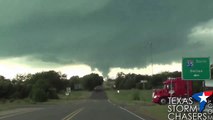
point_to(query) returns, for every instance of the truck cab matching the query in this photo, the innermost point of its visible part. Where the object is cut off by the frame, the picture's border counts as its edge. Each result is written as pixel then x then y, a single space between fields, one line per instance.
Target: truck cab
pixel 172 87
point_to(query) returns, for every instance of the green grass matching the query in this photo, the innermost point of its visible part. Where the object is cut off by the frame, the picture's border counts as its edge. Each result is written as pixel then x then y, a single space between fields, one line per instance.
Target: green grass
pixel 144 106
pixel 74 96
pixel 127 96
pixel 8 104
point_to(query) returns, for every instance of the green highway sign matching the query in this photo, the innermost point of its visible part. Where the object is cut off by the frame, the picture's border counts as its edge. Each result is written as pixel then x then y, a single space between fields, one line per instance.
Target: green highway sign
pixel 196 68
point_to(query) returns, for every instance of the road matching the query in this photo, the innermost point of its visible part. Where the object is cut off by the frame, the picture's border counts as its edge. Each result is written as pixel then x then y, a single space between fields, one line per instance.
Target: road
pixel 98 107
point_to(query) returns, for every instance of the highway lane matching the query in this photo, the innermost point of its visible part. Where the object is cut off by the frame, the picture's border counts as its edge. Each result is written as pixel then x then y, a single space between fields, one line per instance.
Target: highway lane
pixel 95 108
pixel 53 112
pixel 104 110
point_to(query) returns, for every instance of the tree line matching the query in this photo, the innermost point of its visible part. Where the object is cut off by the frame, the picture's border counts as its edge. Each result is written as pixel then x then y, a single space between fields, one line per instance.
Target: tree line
pixel 134 81
pixel 41 86
pixel 130 81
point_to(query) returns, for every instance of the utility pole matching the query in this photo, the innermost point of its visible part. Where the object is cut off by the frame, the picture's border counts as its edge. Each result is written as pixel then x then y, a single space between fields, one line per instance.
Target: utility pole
pixel 151 56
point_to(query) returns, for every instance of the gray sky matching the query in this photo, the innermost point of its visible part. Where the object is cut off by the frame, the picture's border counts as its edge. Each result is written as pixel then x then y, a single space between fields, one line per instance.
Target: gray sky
pixel 106 33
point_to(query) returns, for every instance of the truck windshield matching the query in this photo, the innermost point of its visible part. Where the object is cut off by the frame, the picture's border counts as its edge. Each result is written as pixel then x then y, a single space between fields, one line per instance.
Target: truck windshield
pixel 168 86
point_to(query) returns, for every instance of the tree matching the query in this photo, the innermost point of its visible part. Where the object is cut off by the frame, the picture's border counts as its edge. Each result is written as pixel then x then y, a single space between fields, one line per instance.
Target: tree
pixel 91 81
pixel 129 81
pixel 20 89
pixel 39 91
pixel 39 87
pixel 38 95
pixel 22 77
pixel 6 88
pixel 53 78
pixel 46 85
pixel 157 80
pixel 119 81
pixel 75 82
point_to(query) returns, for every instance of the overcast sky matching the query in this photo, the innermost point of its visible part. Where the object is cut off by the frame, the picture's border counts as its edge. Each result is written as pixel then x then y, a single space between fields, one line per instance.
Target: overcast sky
pixel 103 35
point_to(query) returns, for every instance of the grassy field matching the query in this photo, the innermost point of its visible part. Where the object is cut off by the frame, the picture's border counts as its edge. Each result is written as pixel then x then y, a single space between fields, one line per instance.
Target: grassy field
pixel 144 106
pixel 8 104
pixel 77 95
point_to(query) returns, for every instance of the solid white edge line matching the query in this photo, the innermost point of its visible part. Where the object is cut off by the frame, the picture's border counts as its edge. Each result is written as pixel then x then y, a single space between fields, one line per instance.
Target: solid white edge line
pixel 18 113
pixel 132 113
pixel 109 101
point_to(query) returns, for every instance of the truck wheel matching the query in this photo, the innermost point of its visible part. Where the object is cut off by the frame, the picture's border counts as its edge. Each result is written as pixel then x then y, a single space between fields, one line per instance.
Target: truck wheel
pixel 163 101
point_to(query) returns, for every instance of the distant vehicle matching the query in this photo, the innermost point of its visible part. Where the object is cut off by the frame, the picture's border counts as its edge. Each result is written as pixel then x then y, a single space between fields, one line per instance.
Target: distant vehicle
pixel 173 87
pixel 98 88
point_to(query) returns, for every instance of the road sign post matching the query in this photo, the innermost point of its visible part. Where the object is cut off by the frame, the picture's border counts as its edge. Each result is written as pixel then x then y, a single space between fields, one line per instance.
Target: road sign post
pixel 68 91
pixel 144 82
pixel 196 68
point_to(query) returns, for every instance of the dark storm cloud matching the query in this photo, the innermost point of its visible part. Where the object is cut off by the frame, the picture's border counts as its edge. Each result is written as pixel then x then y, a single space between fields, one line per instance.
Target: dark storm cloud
pixel 103 34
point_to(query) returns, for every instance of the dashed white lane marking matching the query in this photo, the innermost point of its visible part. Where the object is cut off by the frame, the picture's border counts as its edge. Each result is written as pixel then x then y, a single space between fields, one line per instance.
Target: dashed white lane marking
pixel 111 102
pixel 11 113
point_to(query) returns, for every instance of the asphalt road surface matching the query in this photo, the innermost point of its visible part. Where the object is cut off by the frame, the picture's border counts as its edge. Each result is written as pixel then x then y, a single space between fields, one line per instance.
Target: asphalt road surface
pixel 98 107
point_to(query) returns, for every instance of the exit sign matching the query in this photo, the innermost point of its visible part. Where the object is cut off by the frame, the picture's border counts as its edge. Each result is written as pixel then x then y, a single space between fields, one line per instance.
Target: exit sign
pixel 196 68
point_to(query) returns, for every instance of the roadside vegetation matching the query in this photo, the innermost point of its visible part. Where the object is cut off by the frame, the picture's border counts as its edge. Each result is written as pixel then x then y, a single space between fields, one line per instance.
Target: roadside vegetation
pixel 50 87
pixel 72 98
pixel 44 86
